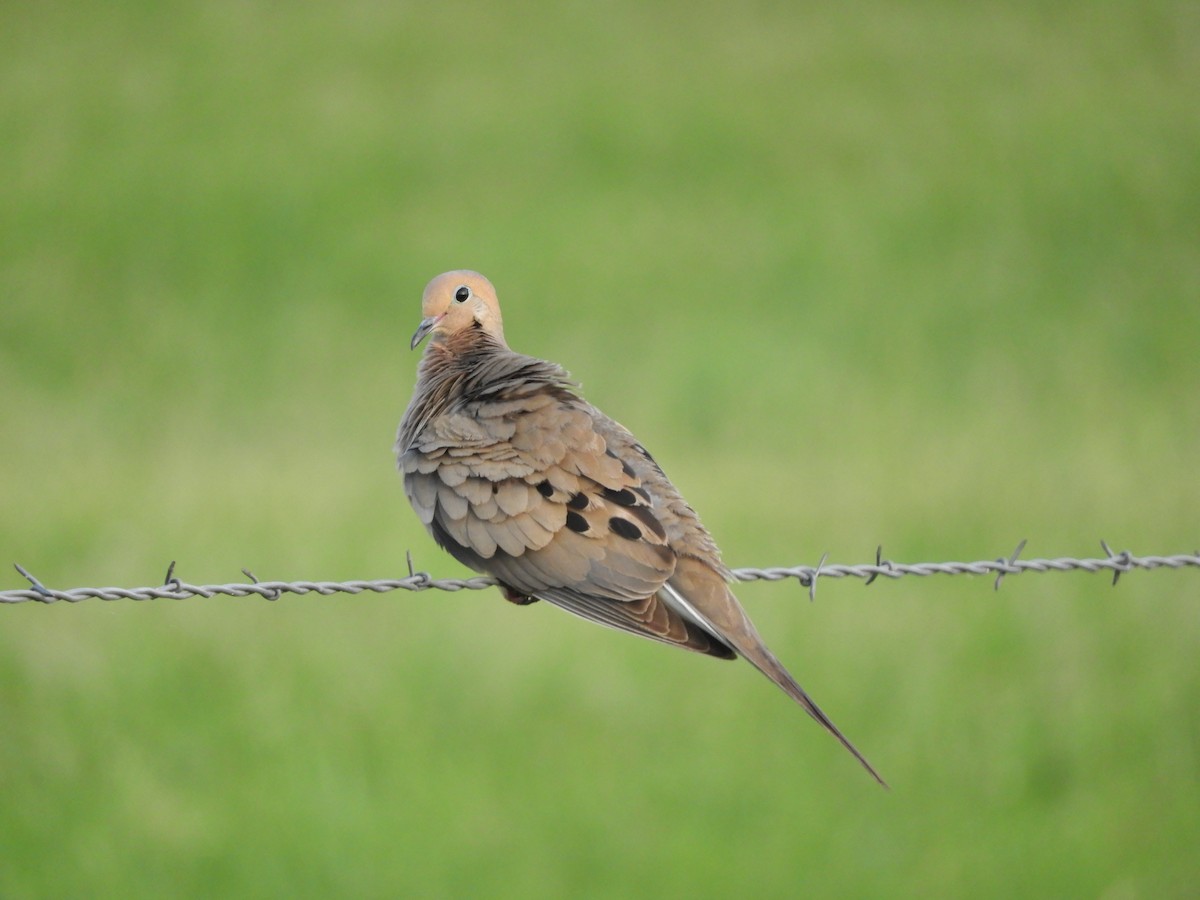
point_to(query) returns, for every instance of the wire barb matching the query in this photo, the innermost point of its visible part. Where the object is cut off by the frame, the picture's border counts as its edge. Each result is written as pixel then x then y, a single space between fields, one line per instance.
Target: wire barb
pixel 1121 561
pixel 812 579
pixel 174 589
pixel 420 581
pixel 1011 562
pixel 879 564
pixel 270 594
pixel 37 585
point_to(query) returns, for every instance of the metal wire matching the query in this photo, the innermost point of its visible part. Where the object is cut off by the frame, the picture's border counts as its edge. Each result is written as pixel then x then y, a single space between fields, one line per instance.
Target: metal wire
pixel 175 589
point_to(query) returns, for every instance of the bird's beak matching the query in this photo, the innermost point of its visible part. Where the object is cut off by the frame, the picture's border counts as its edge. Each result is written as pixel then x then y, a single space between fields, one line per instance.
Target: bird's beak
pixel 426 326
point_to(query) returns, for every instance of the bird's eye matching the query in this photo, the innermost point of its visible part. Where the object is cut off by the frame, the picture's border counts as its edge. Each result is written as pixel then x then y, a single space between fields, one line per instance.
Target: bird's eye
pixel 461 295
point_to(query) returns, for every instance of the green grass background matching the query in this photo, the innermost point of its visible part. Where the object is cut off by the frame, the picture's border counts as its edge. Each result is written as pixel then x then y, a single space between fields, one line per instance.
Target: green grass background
pixel 925 275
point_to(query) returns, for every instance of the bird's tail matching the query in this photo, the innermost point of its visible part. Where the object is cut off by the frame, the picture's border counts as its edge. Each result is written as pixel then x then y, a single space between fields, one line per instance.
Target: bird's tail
pixel 705 594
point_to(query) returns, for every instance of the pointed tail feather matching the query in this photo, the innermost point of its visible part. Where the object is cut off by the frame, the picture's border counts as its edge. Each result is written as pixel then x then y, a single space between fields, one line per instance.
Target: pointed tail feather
pixel 763 660
pixel 701 592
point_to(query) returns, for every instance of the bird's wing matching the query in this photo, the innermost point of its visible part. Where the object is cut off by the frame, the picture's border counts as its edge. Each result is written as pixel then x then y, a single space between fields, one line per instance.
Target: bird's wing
pixel 522 485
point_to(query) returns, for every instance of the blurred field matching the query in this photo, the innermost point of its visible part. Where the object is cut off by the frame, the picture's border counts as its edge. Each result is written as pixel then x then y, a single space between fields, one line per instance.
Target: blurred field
pixel 923 275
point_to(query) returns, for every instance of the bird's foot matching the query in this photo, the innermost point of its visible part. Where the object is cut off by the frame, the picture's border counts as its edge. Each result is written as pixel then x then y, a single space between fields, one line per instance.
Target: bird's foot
pixel 515 596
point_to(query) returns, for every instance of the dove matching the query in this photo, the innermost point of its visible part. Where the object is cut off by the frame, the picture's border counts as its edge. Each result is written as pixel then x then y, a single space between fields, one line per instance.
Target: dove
pixel 516 476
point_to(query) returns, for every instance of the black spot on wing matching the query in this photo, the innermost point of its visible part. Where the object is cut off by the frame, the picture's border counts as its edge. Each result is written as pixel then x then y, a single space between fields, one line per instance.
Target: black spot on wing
pixel 625 467
pixel 576 522
pixel 624 528
pixel 647 518
pixel 578 501
pixel 623 497
pixel 546 489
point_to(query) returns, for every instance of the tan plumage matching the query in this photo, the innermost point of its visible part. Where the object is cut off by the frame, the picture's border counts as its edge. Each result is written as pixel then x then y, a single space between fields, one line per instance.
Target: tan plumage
pixel 517 476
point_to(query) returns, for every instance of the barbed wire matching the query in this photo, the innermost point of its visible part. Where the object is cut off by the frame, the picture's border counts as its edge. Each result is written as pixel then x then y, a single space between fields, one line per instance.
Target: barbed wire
pixel 175 589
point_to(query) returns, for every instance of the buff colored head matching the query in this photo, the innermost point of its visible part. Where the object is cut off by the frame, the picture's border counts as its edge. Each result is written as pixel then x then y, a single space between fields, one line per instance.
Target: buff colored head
pixel 456 301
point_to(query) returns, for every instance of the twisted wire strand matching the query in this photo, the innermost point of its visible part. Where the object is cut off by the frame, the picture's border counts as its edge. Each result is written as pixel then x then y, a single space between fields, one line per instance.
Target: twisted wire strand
pixel 174 589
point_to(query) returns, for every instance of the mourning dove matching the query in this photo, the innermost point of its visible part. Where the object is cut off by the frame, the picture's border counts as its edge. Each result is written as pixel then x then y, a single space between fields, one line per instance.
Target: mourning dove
pixel 516 476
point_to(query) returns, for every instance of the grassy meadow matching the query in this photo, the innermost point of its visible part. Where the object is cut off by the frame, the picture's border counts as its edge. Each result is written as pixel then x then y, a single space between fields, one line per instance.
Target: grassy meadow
pixel 921 275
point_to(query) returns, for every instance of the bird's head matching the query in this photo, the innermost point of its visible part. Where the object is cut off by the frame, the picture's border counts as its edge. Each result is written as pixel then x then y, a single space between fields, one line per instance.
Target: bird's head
pixel 455 302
